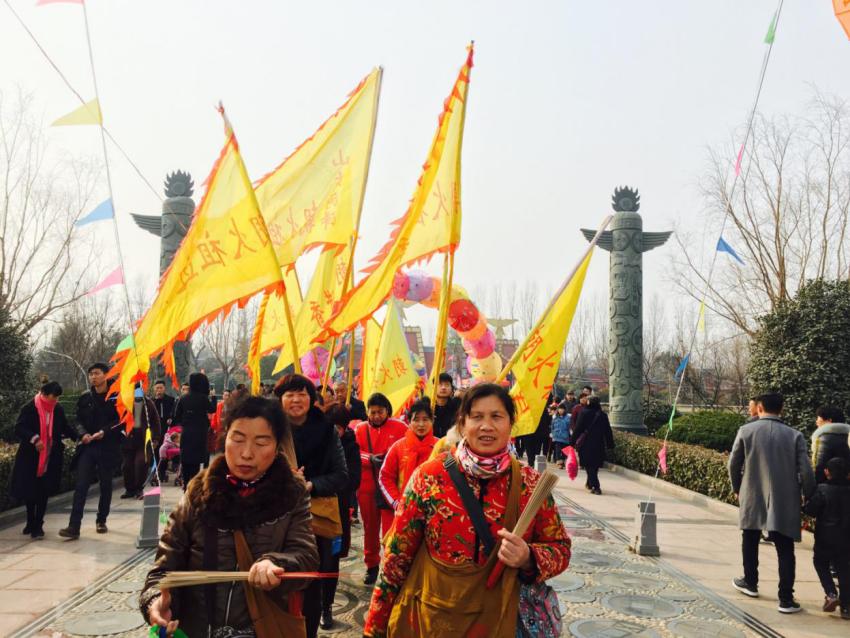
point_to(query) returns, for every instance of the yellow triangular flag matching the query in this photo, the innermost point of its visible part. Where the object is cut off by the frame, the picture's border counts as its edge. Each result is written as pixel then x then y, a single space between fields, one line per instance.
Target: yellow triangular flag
pixel 432 221
pixel 537 363
pixel 394 375
pixel 225 259
pixel 86 114
pixel 313 198
pixel 701 320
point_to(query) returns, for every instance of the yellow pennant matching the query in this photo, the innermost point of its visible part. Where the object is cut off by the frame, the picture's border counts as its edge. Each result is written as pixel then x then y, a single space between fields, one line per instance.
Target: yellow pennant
pixel 431 223
pixel 88 113
pixel 369 356
pixel 225 259
pixel 313 198
pixel 271 327
pixel 393 374
pixel 539 356
pixel 701 320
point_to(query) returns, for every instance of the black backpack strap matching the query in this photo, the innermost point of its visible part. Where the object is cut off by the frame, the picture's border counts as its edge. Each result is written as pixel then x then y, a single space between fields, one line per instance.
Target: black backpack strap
pixel 210 563
pixel 473 507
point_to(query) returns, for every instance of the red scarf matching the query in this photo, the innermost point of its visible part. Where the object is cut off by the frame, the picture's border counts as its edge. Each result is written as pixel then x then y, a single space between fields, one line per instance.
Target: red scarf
pixel 415 453
pixel 44 407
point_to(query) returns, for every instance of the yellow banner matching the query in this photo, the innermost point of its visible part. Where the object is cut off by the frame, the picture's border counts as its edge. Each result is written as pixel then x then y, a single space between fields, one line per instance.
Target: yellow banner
pixel 309 317
pixel 313 198
pixel 537 365
pixel 369 356
pixel 225 258
pixel 391 372
pixel 431 223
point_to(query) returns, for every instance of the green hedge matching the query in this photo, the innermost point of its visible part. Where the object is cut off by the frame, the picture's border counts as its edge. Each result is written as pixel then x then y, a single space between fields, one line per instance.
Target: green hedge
pixel 695 468
pixel 713 429
pixel 7 462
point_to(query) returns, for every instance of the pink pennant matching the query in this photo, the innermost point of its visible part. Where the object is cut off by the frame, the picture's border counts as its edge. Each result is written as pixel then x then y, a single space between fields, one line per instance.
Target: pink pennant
pixel 662 458
pixel 43 2
pixel 738 161
pixel 112 279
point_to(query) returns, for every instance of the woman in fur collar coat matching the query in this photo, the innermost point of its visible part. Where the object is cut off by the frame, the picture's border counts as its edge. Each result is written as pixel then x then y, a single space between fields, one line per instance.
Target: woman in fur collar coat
pixel 251 489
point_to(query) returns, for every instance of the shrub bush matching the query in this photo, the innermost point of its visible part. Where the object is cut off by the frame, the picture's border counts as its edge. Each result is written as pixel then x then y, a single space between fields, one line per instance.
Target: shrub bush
pixel 713 429
pixel 656 413
pixel 695 468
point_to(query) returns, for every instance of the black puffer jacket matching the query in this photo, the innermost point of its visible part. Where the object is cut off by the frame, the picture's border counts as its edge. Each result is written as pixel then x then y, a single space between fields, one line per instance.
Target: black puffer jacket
pixel 97 413
pixel 192 414
pixel 599 437
pixel 276 523
pixel 829 441
pixel 26 458
pixel 319 451
pixel 830 506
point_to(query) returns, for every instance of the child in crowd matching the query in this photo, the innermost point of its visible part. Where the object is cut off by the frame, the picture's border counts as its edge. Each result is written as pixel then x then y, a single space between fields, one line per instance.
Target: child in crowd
pixel 830 506
pixel 560 433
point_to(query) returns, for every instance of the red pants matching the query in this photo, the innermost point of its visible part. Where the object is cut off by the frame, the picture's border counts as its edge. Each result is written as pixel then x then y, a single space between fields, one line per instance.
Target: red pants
pixel 376 523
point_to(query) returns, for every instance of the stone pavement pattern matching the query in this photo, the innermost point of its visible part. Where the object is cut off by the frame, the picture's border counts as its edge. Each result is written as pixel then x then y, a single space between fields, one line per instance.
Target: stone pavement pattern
pixel 607 592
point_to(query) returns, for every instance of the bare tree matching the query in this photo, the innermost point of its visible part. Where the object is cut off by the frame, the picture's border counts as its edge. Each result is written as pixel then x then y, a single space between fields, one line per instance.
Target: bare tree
pixel 41 200
pixel 528 306
pixel 655 339
pixel 787 218
pixel 228 340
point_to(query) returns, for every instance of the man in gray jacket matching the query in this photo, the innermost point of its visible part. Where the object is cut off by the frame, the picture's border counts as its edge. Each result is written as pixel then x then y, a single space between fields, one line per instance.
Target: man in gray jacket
pixel 769 468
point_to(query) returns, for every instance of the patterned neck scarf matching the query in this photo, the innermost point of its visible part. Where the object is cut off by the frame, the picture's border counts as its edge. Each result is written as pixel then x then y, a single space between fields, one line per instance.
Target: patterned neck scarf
pixel 483 467
pixel 244 488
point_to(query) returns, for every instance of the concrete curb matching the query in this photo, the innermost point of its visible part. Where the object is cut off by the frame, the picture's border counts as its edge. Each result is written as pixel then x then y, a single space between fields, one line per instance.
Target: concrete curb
pixel 17 515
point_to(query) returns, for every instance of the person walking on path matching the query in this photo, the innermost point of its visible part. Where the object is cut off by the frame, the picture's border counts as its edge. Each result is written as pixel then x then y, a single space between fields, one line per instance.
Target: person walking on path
pixel 164 404
pixel 321 462
pixel 560 432
pixel 375 437
pixel 434 573
pixel 406 454
pixel 99 452
pixel 830 440
pixel 446 405
pixel 136 450
pixel 576 411
pixel 247 511
pixel 768 468
pixel 592 437
pixel 41 425
pixel 830 506
pixel 192 414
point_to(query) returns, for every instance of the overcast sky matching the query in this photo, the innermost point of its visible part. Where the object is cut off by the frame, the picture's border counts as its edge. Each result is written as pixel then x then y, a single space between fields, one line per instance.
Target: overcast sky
pixel 568 100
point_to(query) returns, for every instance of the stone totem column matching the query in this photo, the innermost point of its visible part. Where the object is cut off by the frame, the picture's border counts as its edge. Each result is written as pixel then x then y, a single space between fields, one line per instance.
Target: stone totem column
pixel 171 228
pixel 626 242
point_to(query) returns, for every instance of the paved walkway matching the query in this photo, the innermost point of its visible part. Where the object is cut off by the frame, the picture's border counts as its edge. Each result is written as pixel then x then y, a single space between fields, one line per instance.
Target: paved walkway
pixel 608 591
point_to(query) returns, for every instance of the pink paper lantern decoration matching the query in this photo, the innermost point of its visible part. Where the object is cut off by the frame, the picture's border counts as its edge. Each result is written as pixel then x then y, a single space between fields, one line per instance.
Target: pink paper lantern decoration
pixel 480 348
pixel 477 331
pixel 308 364
pixel 401 284
pixel 433 300
pixel 419 286
pixel 463 315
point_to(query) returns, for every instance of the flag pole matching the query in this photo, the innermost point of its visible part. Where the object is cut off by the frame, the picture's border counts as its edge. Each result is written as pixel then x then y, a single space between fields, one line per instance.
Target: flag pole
pixel 510 364
pixel 296 358
pixel 442 327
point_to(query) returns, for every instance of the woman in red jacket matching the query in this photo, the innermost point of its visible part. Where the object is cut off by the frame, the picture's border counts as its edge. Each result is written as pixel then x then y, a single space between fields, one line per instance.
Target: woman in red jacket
pixel 409 453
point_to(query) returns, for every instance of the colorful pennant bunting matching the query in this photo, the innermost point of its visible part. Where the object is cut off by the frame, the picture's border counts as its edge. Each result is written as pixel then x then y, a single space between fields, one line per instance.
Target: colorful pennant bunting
pixel 88 113
pixel 103 211
pixel 112 279
pixel 842 13
pixel 723 247
pixel 662 458
pixel 682 366
pixel 771 31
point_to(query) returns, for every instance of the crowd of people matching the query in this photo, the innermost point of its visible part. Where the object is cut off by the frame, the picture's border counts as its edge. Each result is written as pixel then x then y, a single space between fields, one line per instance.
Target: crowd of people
pixel 274 483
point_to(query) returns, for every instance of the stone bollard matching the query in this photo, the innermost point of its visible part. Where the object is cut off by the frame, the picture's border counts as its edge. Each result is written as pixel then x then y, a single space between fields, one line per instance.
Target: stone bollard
pixel 646 540
pixel 149 529
pixel 540 463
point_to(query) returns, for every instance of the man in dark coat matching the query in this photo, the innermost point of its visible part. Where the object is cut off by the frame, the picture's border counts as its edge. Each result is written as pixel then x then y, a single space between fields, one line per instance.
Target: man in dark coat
pixel 164 404
pixel 135 449
pixel 26 484
pixel 769 467
pixel 99 453
pixel 355 405
pixel 593 436
pixel 192 414
pixel 446 405
pixel 321 463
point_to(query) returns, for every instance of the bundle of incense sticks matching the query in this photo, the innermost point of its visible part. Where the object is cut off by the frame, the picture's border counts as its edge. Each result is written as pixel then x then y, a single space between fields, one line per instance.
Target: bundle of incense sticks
pixel 541 492
pixel 189 579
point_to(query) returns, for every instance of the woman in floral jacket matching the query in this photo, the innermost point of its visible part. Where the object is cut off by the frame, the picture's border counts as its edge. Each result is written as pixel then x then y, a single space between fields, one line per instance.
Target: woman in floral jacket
pixel 435 566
